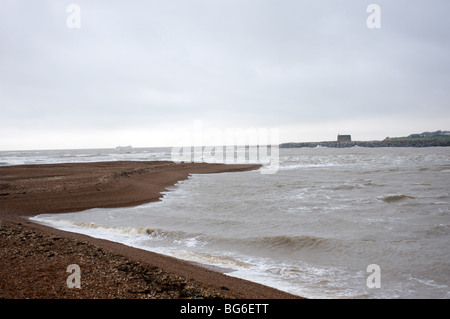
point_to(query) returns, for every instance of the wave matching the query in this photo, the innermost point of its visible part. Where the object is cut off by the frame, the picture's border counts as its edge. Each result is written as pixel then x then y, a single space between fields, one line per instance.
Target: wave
pixel 295 243
pixel 286 166
pixel 396 198
pixel 347 186
pixel 93 229
pixel 230 263
pixel 266 245
pixel 438 230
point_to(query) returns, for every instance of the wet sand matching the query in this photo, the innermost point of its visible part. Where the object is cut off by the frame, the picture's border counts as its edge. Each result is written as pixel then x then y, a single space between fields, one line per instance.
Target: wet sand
pixel 34 258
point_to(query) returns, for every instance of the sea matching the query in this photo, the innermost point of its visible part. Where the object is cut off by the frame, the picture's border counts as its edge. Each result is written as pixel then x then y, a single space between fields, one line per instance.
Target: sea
pixel 329 223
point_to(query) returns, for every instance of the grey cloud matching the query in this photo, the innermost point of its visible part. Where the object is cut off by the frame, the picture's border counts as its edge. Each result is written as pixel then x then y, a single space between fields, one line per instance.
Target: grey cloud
pixel 267 63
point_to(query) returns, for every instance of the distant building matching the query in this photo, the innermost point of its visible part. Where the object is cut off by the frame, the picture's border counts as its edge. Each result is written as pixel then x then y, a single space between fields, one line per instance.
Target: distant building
pixel 344 138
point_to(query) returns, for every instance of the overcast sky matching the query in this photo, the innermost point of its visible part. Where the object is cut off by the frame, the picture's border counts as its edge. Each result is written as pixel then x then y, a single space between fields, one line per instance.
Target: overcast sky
pixel 141 72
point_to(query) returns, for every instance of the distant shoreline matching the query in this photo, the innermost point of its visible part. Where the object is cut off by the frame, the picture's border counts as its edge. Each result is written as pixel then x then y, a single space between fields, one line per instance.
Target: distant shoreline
pixel 425 139
pixel 431 142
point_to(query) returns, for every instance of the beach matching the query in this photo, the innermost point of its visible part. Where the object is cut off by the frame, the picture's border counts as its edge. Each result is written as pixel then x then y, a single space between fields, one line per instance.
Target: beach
pixel 34 258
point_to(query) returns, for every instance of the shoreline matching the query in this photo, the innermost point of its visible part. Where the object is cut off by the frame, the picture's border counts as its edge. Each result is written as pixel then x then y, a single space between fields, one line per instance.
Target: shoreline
pixel 370 144
pixel 34 257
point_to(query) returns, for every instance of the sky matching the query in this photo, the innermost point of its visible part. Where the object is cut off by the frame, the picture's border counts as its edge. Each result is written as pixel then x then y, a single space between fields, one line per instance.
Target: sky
pixel 143 73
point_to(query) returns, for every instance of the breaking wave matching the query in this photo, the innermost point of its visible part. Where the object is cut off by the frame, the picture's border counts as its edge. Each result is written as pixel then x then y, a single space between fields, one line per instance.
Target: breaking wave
pixel 112 231
pixel 296 243
pixel 270 245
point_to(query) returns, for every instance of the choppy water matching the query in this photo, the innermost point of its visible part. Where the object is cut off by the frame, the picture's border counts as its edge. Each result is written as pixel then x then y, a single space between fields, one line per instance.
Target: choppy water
pixel 83 155
pixel 311 229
